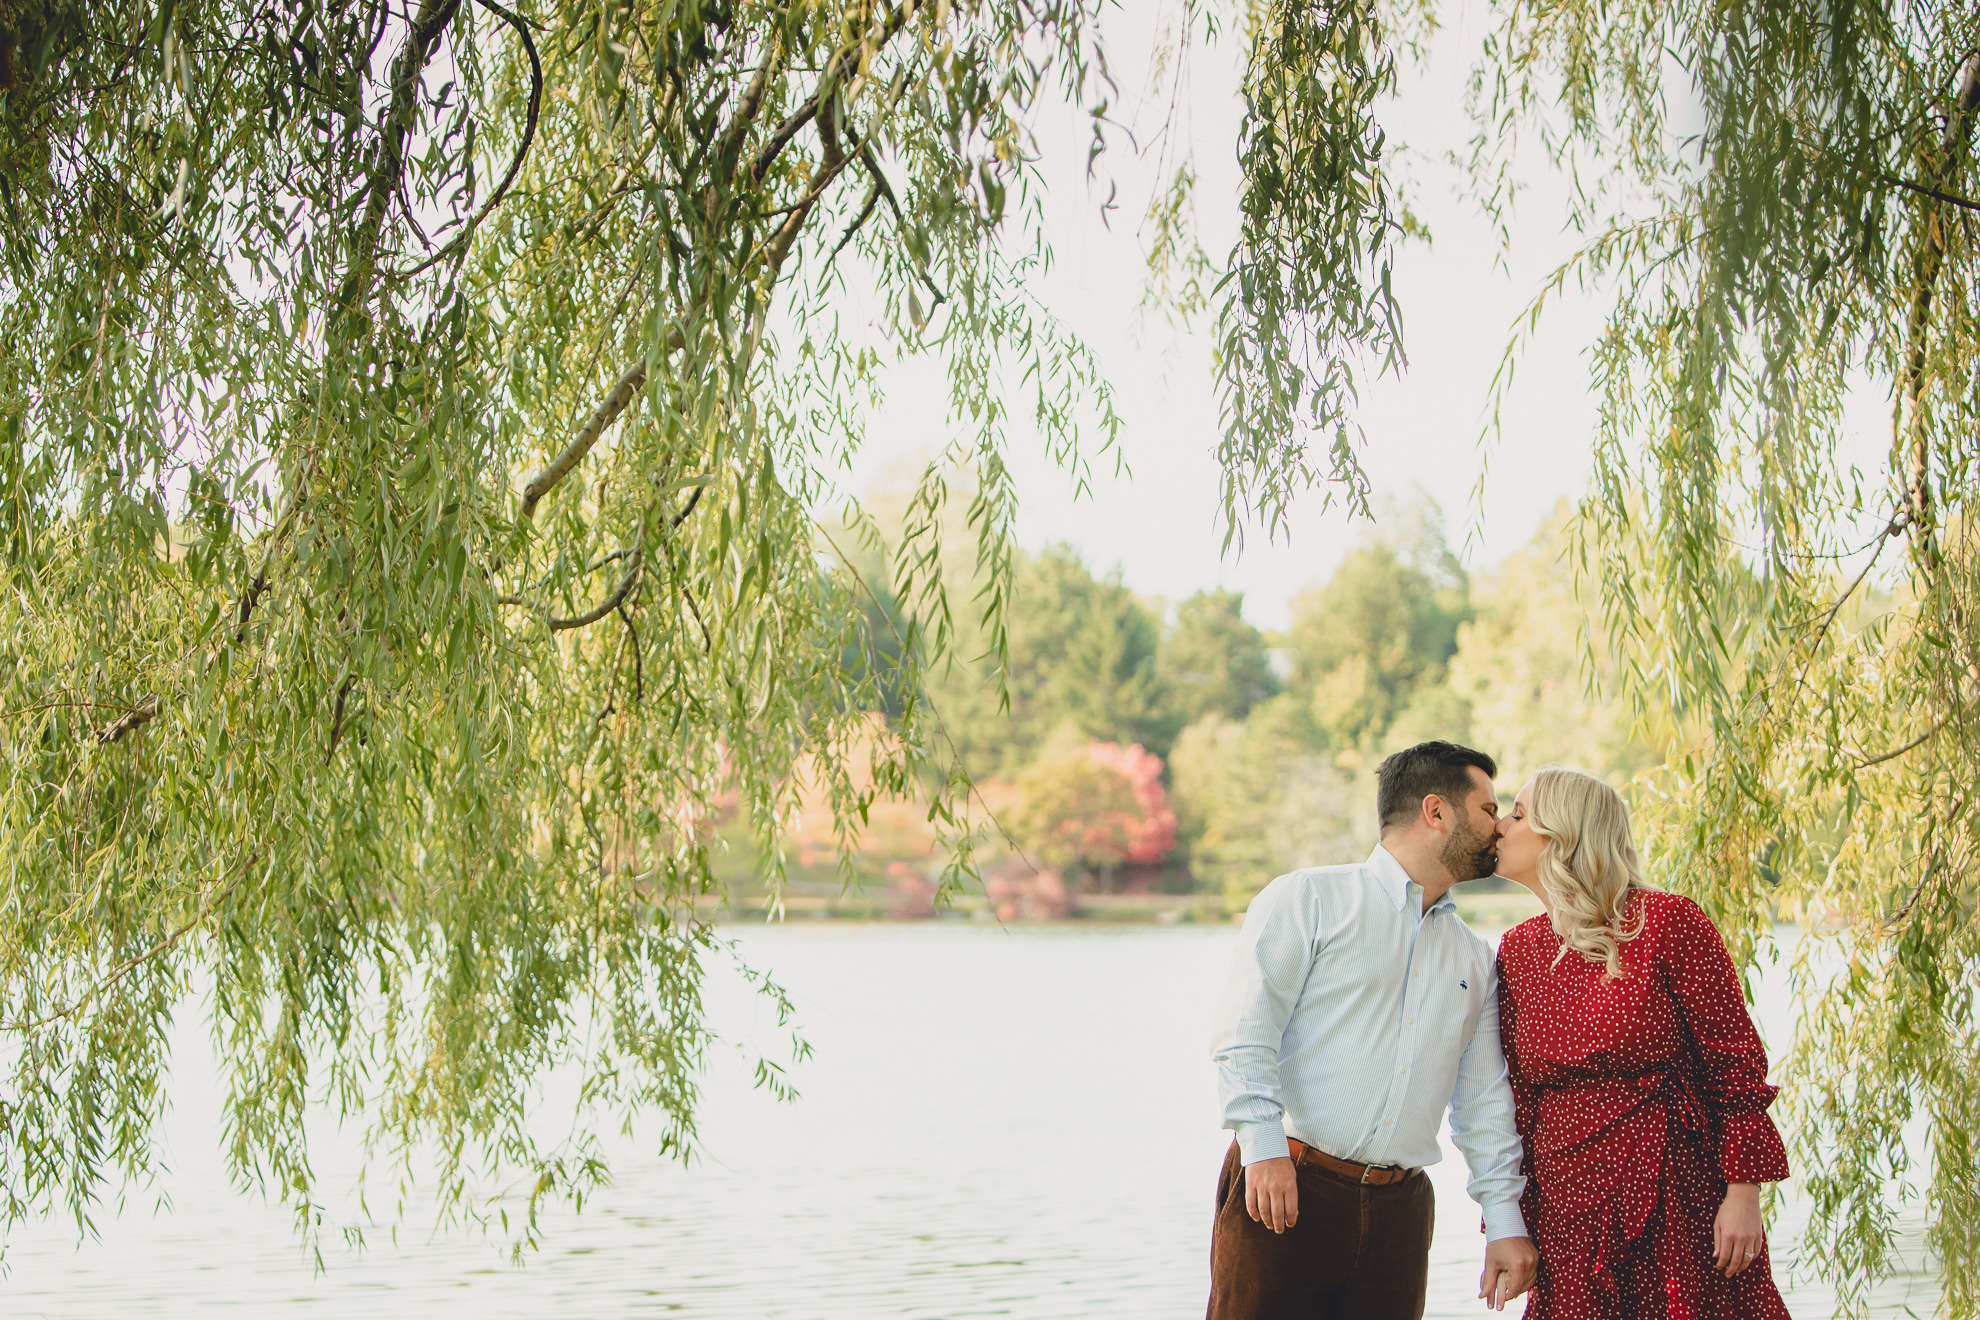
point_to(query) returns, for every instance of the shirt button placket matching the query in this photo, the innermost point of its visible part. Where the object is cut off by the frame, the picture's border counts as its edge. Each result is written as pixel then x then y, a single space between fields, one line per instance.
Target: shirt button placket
pixel 1399 1087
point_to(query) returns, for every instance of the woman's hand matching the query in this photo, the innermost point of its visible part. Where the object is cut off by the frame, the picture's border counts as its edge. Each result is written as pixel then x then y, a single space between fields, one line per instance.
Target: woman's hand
pixel 1738 1235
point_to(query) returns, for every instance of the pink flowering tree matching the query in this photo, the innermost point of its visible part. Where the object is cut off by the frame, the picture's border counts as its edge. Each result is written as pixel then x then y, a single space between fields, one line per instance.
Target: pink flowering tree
pixel 1087 810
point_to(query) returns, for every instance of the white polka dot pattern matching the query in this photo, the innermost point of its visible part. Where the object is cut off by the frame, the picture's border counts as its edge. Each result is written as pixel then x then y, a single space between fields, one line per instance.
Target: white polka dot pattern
pixel 1639 1097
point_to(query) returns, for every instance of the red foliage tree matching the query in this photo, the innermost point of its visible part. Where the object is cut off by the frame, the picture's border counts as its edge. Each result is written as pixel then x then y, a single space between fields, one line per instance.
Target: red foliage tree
pixel 1094 808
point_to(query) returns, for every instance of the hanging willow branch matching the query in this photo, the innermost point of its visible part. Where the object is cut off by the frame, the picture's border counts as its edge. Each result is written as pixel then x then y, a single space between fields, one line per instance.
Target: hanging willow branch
pixel 1818 226
pixel 343 451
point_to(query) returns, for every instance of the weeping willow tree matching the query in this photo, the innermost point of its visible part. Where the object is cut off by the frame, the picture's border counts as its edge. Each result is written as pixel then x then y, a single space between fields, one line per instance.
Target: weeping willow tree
pixel 1808 604
pixel 417 424
pixel 418 526
pixel 1784 201
pixel 419 420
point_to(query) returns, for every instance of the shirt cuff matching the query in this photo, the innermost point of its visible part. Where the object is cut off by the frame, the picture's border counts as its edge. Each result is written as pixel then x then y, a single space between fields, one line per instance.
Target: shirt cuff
pixel 1262 1141
pixel 1504 1221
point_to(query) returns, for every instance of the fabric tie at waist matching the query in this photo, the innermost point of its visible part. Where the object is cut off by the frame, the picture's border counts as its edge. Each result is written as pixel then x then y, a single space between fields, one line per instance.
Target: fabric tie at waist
pixel 1638 1189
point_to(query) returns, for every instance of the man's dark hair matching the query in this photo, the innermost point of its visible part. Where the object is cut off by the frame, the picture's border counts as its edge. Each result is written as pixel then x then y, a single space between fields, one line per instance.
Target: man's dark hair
pixel 1405 779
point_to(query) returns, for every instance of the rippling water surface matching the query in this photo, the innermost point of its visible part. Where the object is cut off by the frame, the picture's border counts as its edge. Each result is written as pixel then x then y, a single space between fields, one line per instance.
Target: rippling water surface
pixel 996 1123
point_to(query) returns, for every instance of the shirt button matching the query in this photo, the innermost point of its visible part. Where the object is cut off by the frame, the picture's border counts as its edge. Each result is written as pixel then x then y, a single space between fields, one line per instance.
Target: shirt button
pixel 1402 1070
pixel 1388 1122
pixel 1409 1022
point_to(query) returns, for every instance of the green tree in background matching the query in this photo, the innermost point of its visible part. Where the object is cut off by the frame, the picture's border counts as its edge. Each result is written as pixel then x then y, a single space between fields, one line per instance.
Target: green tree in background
pixel 1081 650
pixel 1381 629
pixel 1212 661
pixel 1259 797
pixel 1274 789
pixel 1536 678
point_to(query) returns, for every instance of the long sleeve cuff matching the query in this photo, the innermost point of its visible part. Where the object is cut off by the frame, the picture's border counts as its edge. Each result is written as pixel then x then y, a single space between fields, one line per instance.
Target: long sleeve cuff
pixel 1750 1149
pixel 1503 1220
pixel 1265 1140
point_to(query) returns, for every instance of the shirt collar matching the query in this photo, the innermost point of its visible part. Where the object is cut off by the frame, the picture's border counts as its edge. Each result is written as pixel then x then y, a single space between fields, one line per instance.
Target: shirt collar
pixel 1396 884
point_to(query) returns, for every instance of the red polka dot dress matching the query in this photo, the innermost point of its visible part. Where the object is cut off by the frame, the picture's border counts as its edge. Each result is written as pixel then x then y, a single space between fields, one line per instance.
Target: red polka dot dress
pixel 1639 1098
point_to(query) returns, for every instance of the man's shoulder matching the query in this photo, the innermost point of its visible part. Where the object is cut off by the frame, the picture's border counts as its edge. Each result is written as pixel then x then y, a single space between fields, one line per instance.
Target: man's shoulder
pixel 1322 880
pixel 1314 888
pixel 1474 943
pixel 1336 872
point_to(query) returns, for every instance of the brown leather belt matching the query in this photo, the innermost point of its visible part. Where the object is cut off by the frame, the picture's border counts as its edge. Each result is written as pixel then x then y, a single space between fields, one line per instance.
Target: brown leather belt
pixel 1373 1175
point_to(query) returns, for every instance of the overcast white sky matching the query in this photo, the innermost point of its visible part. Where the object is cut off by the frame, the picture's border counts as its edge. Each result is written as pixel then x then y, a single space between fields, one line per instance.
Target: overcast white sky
pixel 1160 522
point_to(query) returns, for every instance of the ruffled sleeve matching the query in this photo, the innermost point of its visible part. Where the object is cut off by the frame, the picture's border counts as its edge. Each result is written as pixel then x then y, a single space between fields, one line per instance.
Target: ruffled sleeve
pixel 1732 1063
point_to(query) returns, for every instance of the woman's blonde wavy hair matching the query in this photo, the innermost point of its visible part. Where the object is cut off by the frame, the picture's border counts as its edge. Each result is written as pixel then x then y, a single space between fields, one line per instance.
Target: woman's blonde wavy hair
pixel 1588 865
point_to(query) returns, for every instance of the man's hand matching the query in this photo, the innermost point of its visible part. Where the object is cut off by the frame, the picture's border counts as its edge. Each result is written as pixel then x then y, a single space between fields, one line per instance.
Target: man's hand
pixel 1738 1234
pixel 1271 1193
pixel 1510 1264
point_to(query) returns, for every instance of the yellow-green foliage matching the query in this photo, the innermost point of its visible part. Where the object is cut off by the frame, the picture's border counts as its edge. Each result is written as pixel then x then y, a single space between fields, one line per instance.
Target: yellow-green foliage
pixel 480 371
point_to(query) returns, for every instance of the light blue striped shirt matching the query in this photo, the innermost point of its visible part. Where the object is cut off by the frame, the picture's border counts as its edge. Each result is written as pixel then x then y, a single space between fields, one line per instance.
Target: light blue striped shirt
pixel 1353 1019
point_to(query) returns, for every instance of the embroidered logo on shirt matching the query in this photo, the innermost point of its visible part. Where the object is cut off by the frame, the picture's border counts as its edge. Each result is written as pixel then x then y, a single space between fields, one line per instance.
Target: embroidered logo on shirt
pixel 1464 985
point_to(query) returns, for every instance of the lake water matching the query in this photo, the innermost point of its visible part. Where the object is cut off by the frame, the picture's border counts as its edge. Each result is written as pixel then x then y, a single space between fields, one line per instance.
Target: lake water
pixel 997 1122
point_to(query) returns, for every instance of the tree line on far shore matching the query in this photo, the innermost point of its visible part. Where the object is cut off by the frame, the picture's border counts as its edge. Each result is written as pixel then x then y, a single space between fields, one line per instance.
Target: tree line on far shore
pixel 1149 744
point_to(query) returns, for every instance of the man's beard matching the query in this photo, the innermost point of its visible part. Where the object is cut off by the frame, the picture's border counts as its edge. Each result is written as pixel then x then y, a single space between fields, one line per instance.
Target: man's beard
pixel 1471 853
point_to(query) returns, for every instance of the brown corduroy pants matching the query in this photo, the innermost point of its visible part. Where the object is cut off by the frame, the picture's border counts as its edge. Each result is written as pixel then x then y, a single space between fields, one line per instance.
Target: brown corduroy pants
pixel 1354 1253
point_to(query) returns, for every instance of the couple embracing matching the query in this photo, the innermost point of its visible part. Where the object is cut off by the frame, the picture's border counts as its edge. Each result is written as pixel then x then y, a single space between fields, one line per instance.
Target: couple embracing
pixel 1603 1079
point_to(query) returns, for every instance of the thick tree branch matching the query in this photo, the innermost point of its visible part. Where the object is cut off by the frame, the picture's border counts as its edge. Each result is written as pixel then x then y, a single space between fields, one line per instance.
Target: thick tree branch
pixel 828 132
pixel 389 161
pixel 606 413
pixel 729 147
pixel 822 105
pixel 249 599
pixel 786 237
pixel 1965 203
pixel 781 139
pixel 337 719
pixel 871 163
pixel 609 604
pixel 707 642
pixel 131 720
pixel 639 677
pixel 522 148
pixel 686 509
pixel 385 178
pixel 603 416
